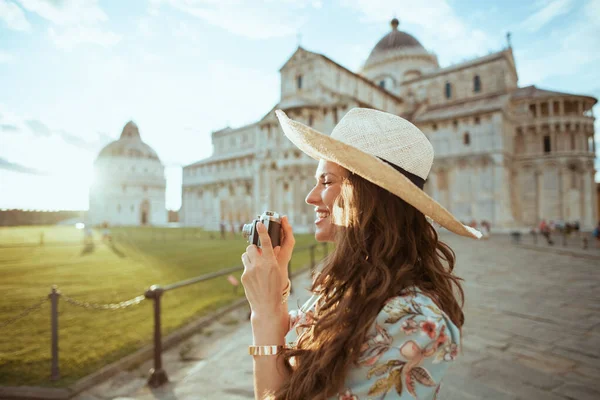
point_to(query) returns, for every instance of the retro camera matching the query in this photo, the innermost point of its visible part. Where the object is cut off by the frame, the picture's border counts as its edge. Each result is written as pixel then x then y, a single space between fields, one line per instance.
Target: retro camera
pixel 272 222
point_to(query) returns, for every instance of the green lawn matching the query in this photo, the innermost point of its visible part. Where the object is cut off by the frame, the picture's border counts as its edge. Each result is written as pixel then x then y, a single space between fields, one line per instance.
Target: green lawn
pixel 90 339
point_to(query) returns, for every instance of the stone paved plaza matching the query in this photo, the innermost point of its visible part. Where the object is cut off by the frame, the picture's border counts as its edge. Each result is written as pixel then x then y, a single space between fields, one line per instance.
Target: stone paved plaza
pixel 532 332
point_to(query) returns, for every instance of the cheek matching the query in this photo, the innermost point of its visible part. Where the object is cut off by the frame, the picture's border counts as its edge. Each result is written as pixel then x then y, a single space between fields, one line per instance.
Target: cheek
pixel 329 195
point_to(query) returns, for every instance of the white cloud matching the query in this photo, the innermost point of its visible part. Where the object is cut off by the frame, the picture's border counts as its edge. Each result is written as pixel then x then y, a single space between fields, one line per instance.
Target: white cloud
pixel 548 10
pixel 71 37
pixel 245 18
pixel 75 22
pixel 13 16
pixel 569 49
pixel 69 12
pixel 6 57
pixel 443 31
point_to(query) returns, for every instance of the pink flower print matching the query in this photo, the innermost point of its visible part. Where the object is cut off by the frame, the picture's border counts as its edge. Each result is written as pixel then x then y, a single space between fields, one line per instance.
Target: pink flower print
pixel 451 352
pixel 375 345
pixel 347 395
pixel 442 338
pixel 447 353
pixel 429 328
pixel 409 326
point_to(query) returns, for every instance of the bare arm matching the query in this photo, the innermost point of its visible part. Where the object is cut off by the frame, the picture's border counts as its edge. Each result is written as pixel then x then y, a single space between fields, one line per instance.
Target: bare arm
pixel 269 371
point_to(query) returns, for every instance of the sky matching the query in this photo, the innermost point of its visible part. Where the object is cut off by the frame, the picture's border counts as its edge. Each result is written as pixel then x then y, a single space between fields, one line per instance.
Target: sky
pixel 74 72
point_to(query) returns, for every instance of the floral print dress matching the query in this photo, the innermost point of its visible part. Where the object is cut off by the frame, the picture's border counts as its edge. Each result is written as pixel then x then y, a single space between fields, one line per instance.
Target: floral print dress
pixel 405 355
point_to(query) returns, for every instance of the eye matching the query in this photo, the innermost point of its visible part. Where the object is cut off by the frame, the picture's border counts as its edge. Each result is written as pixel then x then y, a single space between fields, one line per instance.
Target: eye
pixel 326 183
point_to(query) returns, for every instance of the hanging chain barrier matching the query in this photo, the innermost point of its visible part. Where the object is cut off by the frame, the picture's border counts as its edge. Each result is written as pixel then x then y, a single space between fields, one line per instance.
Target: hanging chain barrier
pixel 95 306
pixel 25 312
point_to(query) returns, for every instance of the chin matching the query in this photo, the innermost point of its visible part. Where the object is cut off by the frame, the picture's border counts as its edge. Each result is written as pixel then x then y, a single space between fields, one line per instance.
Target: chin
pixel 323 235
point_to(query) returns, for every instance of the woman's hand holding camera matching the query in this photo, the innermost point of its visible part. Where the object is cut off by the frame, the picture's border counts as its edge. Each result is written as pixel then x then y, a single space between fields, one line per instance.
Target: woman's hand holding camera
pixel 265 271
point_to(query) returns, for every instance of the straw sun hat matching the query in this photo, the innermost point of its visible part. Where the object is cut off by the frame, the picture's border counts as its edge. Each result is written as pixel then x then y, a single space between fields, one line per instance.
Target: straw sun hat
pixel 382 148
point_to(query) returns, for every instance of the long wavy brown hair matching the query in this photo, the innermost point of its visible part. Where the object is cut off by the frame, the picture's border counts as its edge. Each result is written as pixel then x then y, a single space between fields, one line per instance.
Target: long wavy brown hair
pixel 384 246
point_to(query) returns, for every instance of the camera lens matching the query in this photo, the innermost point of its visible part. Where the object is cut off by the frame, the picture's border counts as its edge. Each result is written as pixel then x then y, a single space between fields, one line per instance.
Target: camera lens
pixel 247 230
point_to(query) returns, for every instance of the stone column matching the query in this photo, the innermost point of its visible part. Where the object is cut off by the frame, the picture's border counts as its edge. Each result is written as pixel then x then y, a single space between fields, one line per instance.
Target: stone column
pixel 501 195
pixel 562 190
pixel 561 107
pixel 588 207
pixel 594 199
pixel 553 138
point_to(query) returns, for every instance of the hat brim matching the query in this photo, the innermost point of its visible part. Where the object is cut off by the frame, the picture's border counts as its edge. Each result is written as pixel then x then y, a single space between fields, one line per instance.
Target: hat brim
pixel 321 146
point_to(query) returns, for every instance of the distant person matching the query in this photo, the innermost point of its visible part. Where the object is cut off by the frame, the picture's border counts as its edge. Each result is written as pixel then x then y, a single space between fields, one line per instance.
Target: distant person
pixel 106 232
pixel 88 235
pixel 223 230
pixel 596 234
pixel 485 229
pixel 386 313
pixel 545 232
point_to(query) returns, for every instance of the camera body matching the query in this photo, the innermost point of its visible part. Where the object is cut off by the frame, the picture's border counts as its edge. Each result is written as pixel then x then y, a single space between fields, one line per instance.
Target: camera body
pixel 272 222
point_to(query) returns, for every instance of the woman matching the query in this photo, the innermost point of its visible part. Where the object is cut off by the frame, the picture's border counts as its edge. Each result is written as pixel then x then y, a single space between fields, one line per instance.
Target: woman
pixel 384 321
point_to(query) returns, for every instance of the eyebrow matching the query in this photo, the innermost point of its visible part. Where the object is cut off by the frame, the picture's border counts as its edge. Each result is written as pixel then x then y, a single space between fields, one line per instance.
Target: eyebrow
pixel 325 174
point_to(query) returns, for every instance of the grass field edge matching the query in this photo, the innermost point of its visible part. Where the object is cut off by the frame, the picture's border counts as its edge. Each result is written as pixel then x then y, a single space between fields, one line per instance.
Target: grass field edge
pixel 126 363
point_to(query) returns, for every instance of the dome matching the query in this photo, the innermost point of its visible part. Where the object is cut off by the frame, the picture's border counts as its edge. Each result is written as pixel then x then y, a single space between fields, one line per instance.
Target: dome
pixel 392 42
pixel 129 145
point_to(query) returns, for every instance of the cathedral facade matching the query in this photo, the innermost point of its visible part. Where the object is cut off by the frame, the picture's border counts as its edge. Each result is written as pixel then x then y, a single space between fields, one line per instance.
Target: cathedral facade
pixel 506 154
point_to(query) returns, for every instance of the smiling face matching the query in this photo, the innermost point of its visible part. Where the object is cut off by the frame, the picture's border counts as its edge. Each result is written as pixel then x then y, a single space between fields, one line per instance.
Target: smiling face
pixel 329 178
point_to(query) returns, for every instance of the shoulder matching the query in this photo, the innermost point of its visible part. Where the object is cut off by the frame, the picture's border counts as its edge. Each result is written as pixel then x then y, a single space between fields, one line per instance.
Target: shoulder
pixel 407 351
pixel 416 313
pixel 415 325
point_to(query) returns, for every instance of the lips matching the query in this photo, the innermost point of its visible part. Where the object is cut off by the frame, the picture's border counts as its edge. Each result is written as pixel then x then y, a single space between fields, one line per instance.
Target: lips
pixel 321 215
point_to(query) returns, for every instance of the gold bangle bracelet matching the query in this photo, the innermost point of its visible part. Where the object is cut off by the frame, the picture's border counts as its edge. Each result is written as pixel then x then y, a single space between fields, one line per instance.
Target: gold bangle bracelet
pixel 264 350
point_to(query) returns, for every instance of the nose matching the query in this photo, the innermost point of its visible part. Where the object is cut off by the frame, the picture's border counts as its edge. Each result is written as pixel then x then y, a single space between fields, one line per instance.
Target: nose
pixel 314 197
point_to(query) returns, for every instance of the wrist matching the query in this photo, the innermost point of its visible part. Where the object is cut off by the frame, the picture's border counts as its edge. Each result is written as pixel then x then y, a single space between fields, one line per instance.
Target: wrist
pixel 267 331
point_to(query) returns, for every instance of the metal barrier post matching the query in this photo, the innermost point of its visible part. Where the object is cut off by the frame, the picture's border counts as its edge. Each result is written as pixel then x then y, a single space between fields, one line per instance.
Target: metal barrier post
pixel 158 376
pixel 54 370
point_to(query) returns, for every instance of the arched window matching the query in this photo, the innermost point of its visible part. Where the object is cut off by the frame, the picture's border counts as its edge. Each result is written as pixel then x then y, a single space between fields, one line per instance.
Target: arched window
pixel 448 90
pixel 547 144
pixel 466 139
pixel 310 120
pixel 382 84
pixel 299 81
pixel 477 84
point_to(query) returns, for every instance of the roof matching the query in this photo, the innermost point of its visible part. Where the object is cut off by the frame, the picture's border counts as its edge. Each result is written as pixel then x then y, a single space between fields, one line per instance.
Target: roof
pixel 354 74
pixel 129 145
pixel 533 92
pixel 467 64
pixel 394 40
pixel 467 107
pixel 222 157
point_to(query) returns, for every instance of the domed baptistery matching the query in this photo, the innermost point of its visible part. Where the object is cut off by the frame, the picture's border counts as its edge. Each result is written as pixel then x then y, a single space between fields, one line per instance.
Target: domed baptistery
pixel 396 58
pixel 129 186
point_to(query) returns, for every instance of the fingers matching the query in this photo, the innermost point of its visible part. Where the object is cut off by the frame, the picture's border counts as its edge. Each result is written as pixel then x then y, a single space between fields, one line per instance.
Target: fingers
pixel 288 233
pixel 276 251
pixel 265 240
pixel 246 260
pixel 288 242
pixel 253 251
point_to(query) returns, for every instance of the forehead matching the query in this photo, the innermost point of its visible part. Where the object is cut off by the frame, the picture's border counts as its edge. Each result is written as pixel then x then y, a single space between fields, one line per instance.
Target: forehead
pixel 329 167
